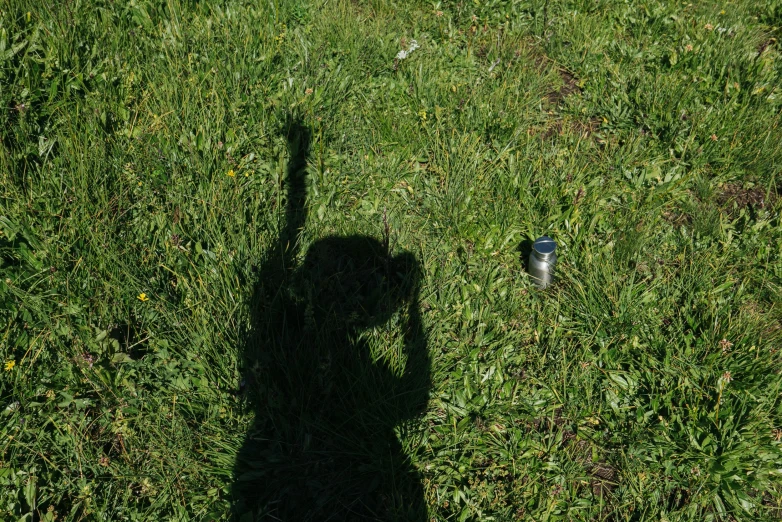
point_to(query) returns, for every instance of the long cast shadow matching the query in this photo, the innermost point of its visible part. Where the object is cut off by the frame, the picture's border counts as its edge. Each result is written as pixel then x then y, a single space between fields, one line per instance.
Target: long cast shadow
pixel 323 445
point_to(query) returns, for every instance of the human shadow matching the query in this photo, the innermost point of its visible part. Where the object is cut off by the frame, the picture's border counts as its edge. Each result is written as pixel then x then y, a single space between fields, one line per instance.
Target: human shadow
pixel 327 399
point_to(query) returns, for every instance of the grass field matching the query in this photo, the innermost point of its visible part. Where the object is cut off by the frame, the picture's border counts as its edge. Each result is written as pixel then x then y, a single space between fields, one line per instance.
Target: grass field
pixel 254 265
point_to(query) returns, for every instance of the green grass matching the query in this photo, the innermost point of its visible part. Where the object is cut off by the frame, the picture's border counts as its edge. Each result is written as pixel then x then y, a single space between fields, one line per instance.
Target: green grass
pixel 643 136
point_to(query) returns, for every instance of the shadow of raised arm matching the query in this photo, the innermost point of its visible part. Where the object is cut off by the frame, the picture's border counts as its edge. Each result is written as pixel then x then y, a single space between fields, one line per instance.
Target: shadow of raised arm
pixel 298 137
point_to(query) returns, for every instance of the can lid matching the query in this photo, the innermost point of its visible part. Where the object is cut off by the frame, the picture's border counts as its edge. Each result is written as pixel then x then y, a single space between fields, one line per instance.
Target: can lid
pixel 544 245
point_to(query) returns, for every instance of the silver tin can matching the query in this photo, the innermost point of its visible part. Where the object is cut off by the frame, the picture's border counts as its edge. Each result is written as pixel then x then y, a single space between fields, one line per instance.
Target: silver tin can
pixel 542 260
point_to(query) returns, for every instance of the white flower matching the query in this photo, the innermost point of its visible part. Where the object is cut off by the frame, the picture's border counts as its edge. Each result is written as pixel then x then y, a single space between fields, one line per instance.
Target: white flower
pixel 401 55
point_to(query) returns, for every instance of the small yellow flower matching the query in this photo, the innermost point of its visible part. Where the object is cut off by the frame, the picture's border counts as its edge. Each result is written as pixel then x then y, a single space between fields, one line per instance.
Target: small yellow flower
pixel 9 365
pixel 143 297
pixel 231 173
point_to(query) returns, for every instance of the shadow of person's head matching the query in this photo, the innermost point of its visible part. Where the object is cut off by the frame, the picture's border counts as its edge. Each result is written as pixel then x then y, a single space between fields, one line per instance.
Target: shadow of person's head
pixel 352 282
